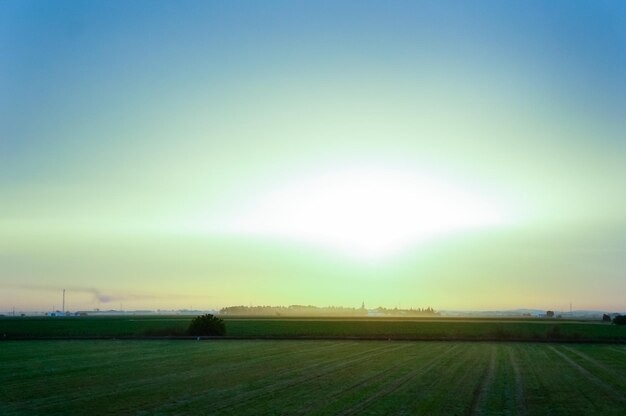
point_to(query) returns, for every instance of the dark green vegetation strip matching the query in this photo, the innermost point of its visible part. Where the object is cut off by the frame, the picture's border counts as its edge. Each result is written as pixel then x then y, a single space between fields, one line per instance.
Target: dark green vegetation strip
pixel 314 377
pixel 441 329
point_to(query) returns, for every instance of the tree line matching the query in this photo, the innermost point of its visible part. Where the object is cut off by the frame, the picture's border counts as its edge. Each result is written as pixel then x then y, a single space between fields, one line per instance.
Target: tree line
pixel 310 310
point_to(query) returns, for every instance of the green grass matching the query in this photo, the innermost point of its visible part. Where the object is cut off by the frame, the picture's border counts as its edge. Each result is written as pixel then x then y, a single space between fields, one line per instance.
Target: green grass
pixel 93 326
pixel 310 377
pixel 428 329
pixel 500 329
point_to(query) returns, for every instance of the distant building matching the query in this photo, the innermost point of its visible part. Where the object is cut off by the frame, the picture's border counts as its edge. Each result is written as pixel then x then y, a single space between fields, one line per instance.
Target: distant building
pixel 58 313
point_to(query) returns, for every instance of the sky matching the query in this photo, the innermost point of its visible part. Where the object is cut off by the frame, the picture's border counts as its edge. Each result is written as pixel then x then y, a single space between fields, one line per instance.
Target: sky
pixel 201 154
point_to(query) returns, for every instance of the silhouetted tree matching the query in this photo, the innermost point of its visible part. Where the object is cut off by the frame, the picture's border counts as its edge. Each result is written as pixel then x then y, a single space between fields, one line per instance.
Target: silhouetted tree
pixel 550 314
pixel 606 318
pixel 620 320
pixel 206 325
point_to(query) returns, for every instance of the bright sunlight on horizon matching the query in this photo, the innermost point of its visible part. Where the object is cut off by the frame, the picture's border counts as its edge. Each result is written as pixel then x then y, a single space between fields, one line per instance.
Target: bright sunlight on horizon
pixel 366 213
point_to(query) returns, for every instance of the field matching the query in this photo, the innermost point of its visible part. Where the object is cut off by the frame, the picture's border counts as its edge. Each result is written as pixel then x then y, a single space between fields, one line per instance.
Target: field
pixel 310 377
pixel 418 329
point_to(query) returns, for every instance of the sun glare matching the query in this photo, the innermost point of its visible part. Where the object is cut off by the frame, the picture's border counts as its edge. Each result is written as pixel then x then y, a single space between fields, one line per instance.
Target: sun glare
pixel 366 213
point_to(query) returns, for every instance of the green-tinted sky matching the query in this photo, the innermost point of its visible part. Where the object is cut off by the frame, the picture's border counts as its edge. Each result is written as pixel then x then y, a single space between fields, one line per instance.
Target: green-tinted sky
pixel 460 155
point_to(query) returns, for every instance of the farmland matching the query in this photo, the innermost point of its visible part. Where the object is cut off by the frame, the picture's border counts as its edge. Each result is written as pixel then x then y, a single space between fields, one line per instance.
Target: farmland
pixel 417 329
pixel 310 377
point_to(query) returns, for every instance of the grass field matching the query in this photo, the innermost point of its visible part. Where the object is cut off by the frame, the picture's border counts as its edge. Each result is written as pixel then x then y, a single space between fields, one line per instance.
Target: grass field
pixel 492 329
pixel 310 377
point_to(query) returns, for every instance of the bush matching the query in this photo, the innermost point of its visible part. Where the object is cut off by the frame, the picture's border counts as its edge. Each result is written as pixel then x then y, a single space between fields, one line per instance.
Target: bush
pixel 206 325
pixel 620 320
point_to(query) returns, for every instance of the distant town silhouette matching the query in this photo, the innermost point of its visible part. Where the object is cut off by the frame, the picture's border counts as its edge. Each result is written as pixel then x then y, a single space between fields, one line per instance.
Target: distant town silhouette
pixel 310 310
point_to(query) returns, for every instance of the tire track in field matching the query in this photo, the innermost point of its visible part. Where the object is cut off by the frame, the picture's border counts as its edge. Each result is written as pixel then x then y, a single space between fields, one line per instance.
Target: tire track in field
pixel 532 357
pixel 73 394
pixel 122 360
pixel 362 383
pixel 595 380
pixel 620 350
pixel 232 402
pixel 596 363
pixel 269 356
pixel 481 390
pixel 520 398
pixel 342 365
pixel 359 407
pixel 169 376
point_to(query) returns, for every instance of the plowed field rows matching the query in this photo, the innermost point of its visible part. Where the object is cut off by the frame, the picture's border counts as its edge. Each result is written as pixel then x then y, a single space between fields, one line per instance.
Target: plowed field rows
pixel 310 377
